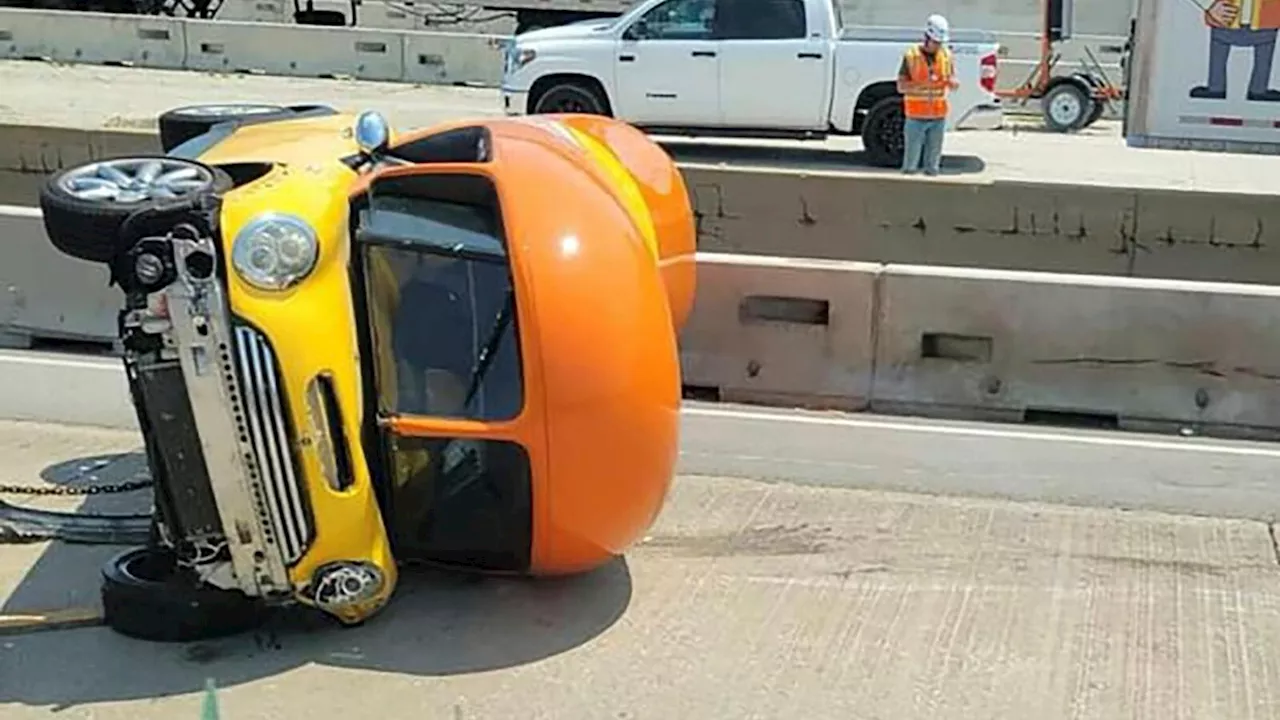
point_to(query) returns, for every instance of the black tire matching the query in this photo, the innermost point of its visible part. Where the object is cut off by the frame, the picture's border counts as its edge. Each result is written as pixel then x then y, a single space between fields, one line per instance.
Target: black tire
pixel 144 598
pixel 181 124
pixel 571 96
pixel 1066 107
pixel 882 132
pixel 1095 114
pixel 90 229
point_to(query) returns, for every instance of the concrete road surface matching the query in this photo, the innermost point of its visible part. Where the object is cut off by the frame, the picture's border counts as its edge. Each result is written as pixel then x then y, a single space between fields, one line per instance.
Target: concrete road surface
pixel 750 599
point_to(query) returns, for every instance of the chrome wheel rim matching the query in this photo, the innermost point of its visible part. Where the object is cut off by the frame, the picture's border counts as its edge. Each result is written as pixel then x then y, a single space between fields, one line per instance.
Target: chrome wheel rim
pixel 1065 108
pixel 239 109
pixel 135 180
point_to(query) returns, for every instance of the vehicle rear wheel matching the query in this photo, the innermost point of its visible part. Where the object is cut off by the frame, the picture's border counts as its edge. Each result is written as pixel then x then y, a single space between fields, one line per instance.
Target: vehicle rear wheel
pixel 882 132
pixel 144 596
pixel 1066 107
pixel 85 207
pixel 181 124
pixel 570 97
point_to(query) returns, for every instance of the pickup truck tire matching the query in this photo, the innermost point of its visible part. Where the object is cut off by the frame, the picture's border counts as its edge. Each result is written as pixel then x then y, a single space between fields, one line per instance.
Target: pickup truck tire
pixel 882 132
pixel 144 597
pixel 571 96
pixel 89 228
pixel 181 124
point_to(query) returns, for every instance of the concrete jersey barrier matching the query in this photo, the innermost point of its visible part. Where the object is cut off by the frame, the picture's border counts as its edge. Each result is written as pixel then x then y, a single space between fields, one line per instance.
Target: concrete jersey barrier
pixel 246 47
pixel 1135 353
pixel 944 341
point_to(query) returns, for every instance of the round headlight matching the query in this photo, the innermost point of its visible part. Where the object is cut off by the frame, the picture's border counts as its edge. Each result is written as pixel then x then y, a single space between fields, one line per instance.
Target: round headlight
pixel 274 251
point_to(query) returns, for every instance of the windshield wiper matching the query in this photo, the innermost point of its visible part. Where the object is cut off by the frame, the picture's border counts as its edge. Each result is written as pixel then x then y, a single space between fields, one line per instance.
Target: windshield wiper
pixel 494 339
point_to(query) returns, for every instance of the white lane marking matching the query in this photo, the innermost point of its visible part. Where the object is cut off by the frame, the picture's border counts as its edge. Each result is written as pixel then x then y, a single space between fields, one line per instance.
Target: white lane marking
pixel 20 211
pixel 984 432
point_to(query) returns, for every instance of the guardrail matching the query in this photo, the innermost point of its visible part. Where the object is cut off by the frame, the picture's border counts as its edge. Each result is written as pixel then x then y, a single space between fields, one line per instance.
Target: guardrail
pixel 357 52
pixel 923 340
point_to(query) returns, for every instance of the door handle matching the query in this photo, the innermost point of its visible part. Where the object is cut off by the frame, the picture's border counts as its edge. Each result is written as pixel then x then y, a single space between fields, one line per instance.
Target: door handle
pixel 809 56
pixel 704 53
pixel 626 58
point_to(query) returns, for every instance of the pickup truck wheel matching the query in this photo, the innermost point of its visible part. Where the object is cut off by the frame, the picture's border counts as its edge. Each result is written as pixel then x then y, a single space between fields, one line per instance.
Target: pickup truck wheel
pixel 144 596
pixel 882 132
pixel 85 207
pixel 181 124
pixel 570 97
pixel 1066 107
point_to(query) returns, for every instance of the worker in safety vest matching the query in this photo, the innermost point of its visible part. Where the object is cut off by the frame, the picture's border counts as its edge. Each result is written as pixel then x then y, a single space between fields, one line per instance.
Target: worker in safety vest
pixel 1240 23
pixel 924 78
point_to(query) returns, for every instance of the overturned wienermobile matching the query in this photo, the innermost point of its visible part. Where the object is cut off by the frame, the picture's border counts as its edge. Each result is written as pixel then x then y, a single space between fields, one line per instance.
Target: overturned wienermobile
pixel 350 349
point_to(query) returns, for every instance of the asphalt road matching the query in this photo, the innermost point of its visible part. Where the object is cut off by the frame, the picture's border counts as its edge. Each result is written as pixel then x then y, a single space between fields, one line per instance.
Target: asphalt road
pixel 805 595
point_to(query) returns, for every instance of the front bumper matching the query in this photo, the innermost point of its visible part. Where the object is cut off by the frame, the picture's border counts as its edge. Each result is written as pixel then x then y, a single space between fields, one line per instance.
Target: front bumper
pixel 268 407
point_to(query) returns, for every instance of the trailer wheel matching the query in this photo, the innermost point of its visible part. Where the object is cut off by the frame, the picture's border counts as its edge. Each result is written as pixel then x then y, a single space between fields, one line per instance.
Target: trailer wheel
pixel 882 132
pixel 570 96
pixel 1066 107
pixel 181 124
pixel 144 597
pixel 85 207
pixel 1095 114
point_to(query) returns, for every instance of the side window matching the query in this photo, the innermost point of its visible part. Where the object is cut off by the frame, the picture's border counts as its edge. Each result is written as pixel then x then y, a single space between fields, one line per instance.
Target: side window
pixel 761 20
pixel 676 20
pixel 442 301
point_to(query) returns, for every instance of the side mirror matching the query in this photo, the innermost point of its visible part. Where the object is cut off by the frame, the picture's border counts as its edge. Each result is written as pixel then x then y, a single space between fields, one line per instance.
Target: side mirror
pixel 372 133
pixel 638 30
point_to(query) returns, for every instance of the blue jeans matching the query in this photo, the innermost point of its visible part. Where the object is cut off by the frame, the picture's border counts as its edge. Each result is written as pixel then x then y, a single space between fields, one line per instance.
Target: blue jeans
pixel 922 145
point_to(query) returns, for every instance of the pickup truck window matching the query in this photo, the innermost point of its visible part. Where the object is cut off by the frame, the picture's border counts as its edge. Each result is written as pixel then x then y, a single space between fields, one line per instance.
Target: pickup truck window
pixel 676 20
pixel 760 20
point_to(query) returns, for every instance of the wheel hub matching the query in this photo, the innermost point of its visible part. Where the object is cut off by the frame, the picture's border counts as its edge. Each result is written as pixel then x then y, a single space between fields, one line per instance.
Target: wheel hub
pixel 130 180
pixel 1065 108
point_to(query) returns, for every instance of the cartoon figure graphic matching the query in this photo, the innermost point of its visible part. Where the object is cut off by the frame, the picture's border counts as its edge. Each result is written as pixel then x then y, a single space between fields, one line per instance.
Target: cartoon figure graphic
pixel 1240 23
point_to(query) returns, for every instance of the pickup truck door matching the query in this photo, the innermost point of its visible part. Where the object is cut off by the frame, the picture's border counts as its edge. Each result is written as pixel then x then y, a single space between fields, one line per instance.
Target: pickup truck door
pixel 775 65
pixel 667 68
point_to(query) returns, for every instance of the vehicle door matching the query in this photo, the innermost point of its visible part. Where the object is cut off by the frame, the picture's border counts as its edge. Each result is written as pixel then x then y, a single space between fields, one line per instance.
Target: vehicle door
pixel 667 68
pixel 775 65
pixel 439 316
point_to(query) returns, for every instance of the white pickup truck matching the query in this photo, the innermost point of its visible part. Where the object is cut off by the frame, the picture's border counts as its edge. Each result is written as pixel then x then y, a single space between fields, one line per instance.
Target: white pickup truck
pixel 751 68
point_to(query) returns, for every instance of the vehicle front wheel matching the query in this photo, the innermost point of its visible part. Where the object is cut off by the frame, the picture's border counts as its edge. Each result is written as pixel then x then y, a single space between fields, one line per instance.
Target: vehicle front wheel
pixel 882 132
pixel 85 207
pixel 570 97
pixel 144 596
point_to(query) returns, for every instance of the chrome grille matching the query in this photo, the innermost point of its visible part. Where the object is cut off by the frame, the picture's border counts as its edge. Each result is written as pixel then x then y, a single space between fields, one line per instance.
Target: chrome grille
pixel 268 433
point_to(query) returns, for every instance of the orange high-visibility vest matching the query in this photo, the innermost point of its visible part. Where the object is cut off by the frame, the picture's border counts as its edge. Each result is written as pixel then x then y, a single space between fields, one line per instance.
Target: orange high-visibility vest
pixel 929 103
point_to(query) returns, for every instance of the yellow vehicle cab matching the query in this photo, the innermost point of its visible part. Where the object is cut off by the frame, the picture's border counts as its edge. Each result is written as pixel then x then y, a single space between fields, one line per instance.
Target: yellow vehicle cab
pixel 350 349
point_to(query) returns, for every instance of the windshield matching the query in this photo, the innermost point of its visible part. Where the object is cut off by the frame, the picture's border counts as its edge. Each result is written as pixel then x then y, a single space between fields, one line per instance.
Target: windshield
pixel 440 293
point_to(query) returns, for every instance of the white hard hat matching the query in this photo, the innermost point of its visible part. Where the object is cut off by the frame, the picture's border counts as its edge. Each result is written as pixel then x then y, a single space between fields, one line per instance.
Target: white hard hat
pixel 937 28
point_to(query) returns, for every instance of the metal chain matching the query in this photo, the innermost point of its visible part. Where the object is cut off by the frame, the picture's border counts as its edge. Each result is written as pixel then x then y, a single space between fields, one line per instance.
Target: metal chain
pixel 127 486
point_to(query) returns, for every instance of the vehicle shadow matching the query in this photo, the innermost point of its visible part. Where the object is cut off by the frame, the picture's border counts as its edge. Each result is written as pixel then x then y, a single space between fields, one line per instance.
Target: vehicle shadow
pixel 438 623
pixel 802 158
